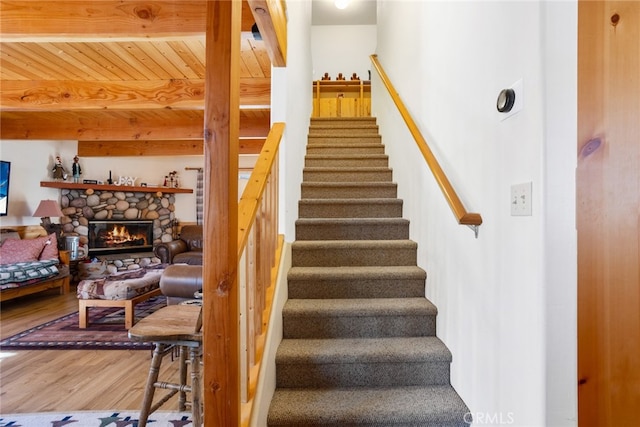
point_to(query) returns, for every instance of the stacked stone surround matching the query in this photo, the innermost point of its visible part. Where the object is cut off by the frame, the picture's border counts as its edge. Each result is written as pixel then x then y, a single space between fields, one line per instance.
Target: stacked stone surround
pixel 80 206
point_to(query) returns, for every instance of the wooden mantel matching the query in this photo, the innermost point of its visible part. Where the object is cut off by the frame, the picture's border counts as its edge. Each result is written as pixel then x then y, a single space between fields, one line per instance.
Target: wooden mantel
pixel 108 187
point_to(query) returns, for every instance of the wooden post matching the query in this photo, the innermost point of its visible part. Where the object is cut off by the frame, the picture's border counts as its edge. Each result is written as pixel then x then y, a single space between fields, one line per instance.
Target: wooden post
pixel 221 128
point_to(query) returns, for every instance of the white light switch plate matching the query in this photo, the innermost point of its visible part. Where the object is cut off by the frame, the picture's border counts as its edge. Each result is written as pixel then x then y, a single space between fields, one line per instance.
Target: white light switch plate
pixel 521 199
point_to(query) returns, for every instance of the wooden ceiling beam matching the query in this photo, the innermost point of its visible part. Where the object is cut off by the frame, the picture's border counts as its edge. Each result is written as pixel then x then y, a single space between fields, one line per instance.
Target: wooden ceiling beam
pixel 27 95
pixel 270 16
pixel 20 20
pixel 173 147
pixel 107 126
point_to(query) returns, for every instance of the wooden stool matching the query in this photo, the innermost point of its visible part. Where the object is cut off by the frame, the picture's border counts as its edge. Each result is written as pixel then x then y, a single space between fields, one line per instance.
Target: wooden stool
pixel 171 327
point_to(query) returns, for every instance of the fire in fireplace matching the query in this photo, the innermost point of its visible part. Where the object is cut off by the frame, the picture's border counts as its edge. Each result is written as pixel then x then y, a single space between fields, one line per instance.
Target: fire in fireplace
pixel 120 236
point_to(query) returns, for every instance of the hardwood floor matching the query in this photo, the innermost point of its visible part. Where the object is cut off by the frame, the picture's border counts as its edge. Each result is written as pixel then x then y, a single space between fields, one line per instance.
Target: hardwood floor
pixel 67 380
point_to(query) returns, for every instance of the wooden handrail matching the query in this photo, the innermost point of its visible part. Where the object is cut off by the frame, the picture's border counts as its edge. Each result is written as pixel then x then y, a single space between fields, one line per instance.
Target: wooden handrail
pixel 461 214
pixel 259 250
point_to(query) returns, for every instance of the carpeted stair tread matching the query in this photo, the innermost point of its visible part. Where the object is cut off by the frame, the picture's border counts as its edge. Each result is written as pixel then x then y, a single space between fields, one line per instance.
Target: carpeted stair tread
pixel 428 406
pixel 356 282
pixel 394 272
pixel 359 350
pixel 356 190
pixel 333 253
pixel 358 318
pixel 350 208
pixel 347 160
pixel 371 174
pixel 352 228
pixel 360 307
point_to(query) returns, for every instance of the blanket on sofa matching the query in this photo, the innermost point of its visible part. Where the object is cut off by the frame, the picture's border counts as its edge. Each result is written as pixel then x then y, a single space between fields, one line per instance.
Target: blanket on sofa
pixel 24 273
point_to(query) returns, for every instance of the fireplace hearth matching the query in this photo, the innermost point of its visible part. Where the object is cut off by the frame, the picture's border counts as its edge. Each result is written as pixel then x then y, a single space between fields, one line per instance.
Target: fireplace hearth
pixel 111 237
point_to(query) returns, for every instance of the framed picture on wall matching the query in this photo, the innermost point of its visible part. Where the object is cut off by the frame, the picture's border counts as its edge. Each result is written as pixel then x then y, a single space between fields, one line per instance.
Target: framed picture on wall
pixel 5 169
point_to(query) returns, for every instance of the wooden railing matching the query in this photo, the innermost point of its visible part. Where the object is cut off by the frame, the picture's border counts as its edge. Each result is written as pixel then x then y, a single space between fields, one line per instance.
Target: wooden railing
pixel 473 220
pixel 259 248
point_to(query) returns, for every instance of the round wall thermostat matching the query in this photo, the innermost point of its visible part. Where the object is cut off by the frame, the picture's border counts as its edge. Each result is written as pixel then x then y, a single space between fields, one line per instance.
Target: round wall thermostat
pixel 506 99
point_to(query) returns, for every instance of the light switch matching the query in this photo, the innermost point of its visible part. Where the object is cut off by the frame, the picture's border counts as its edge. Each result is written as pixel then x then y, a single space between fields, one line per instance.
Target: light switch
pixel 521 199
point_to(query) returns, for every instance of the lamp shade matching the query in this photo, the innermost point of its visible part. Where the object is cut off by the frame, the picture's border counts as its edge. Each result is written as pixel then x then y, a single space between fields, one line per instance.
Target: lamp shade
pixel 48 208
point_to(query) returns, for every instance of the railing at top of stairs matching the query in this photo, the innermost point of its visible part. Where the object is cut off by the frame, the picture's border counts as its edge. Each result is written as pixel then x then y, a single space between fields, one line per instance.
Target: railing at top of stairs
pixel 472 220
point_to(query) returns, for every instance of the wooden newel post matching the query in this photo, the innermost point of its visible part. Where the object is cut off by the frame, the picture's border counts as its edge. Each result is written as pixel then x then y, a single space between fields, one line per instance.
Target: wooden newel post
pixel 221 127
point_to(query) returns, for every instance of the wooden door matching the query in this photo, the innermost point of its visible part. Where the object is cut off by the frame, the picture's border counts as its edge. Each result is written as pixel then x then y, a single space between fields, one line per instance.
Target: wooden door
pixel 608 213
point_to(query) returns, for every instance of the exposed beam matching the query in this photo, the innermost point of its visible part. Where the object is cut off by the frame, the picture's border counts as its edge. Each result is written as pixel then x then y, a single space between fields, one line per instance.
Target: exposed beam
pixel 221 334
pixel 109 126
pixel 21 20
pixel 272 22
pixel 25 95
pixel 174 147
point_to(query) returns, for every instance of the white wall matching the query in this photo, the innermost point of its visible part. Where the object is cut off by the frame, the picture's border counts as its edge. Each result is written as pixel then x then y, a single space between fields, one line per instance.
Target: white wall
pixel 342 49
pixel 32 161
pixel 292 103
pixel 448 61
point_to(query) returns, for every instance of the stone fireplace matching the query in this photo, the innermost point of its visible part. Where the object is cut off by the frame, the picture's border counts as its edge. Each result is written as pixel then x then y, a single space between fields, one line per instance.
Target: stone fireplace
pixel 85 207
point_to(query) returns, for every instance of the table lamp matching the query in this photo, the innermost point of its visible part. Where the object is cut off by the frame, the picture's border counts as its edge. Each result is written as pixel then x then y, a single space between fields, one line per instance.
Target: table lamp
pixel 46 209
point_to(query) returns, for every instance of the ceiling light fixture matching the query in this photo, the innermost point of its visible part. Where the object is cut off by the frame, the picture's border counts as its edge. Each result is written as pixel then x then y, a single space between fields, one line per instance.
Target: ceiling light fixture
pixel 342 4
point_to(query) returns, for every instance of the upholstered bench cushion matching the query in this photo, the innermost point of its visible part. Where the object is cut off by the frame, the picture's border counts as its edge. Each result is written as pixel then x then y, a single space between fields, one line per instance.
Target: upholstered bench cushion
pixel 121 286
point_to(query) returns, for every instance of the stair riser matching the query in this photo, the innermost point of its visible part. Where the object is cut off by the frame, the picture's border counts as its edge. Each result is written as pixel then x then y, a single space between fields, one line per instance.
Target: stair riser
pixel 361 162
pixel 334 257
pixel 349 191
pixel 346 149
pixel 353 231
pixel 390 209
pixel 343 140
pixel 362 288
pixel 347 176
pixel 331 375
pixel 312 327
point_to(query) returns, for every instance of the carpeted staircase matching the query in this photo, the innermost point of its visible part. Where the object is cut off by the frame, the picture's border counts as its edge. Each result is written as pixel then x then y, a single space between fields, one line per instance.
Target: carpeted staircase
pixel 359 343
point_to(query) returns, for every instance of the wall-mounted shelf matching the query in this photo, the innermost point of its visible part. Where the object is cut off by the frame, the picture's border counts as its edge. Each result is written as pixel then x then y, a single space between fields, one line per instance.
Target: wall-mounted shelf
pixel 107 187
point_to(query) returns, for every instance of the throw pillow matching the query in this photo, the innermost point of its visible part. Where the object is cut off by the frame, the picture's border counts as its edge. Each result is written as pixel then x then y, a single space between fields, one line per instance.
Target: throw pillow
pixel 50 250
pixel 14 250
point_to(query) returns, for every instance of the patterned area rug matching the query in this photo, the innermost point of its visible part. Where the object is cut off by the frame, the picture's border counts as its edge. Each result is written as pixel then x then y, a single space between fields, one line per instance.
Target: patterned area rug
pixel 106 331
pixel 95 419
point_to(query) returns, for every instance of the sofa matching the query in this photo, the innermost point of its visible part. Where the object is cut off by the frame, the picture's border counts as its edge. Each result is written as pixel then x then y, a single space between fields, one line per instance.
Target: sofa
pixel 185 250
pixel 180 282
pixel 29 266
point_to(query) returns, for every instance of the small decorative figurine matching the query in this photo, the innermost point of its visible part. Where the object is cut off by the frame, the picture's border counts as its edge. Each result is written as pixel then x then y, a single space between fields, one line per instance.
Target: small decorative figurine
pixel 58 170
pixel 326 76
pixel 340 77
pixel 76 169
pixel 354 76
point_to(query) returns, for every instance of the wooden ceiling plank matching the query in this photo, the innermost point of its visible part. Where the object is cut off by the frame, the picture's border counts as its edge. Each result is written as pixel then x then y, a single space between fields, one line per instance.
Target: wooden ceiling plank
pixel 190 60
pixel 110 51
pixel 77 62
pixel 173 62
pixel 144 54
pixel 104 18
pixel 262 56
pixel 16 65
pixel 250 60
pixel 124 51
pixel 29 61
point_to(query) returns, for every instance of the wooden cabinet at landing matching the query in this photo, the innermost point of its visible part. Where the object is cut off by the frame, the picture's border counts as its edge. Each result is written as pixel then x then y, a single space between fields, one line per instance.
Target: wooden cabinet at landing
pixel 341 98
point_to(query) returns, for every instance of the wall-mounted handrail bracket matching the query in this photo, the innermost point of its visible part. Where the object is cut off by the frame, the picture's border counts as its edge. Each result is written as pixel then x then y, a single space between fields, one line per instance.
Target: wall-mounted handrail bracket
pixel 475 228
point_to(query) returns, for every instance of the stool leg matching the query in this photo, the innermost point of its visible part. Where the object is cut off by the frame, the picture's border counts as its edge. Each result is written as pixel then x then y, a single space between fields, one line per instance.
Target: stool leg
pixel 182 397
pixel 196 388
pixel 149 390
